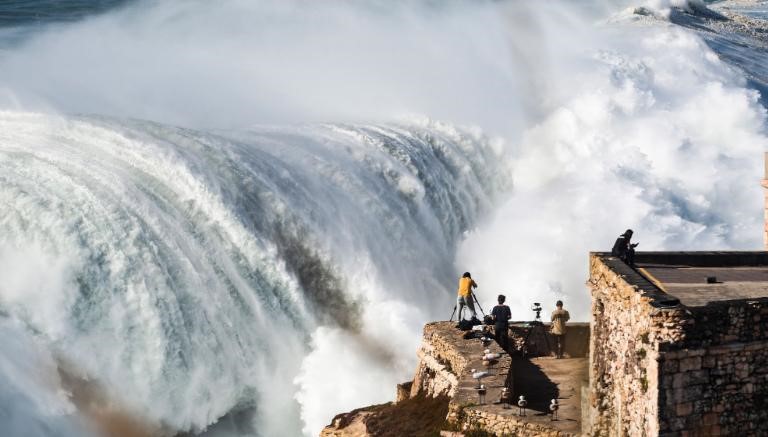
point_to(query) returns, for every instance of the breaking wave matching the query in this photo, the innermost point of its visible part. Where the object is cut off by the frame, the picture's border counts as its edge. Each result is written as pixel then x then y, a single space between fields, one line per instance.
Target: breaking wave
pixel 189 269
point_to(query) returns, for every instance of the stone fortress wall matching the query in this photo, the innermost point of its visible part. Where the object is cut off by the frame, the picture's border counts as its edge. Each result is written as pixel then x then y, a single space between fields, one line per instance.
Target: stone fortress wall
pixel 660 367
pixel 627 328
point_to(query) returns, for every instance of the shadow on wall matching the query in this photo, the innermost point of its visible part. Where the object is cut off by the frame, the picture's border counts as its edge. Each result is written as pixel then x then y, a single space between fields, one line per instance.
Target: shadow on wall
pixel 541 343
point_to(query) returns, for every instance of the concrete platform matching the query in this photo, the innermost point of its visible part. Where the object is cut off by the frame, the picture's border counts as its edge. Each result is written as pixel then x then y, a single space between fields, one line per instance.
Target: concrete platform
pixel 472 349
pixel 681 277
pixel 542 379
pixel 538 379
pixel 690 286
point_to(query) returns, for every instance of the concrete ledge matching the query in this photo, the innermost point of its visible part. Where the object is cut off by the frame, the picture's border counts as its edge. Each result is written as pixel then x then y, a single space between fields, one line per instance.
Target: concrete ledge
pixel 446 344
pixel 700 258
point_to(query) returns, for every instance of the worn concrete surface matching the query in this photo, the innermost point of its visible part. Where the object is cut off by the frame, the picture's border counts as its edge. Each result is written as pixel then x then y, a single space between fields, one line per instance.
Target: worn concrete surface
pixel 544 378
pixel 690 286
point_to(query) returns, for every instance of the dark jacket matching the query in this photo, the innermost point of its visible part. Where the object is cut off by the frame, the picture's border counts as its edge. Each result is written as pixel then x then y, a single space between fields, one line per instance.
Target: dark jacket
pixel 620 247
pixel 501 315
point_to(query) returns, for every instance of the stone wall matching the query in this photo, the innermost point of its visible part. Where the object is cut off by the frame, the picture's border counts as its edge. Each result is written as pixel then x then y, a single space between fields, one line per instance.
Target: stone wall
pixel 628 324
pixel 715 381
pixel 542 343
pixel 726 322
pixel 718 390
pixel 504 425
pixel 440 363
pixel 660 368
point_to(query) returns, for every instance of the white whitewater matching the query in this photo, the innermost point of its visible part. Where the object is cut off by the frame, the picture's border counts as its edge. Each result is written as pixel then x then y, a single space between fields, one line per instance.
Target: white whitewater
pixel 189 269
pixel 227 279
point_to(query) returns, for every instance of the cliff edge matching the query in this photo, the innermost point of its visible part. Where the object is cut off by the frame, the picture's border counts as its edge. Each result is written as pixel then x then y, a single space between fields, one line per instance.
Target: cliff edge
pixel 443 396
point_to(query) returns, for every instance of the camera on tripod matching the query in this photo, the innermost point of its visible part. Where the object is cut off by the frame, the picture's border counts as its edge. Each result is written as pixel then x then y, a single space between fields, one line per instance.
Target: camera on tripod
pixel 535 333
pixel 536 308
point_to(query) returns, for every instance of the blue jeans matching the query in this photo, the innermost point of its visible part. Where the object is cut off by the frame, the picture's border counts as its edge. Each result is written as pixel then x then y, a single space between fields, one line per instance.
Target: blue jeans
pixel 467 301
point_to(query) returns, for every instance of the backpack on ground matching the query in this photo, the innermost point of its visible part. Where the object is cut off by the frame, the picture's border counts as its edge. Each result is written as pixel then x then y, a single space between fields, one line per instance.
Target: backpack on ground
pixel 465 325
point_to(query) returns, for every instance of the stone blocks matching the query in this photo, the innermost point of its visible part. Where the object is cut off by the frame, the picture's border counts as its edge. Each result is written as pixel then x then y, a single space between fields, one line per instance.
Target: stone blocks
pixel 704 370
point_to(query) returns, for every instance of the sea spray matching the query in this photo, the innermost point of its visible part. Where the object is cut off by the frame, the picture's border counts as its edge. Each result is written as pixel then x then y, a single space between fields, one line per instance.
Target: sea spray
pixel 30 389
pixel 662 138
pixel 185 271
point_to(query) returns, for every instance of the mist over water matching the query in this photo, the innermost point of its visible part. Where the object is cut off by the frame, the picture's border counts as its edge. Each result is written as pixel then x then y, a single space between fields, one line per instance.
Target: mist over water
pixel 248 210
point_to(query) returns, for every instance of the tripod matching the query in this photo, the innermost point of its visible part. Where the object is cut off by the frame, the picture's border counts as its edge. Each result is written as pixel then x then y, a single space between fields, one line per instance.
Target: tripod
pixel 472 293
pixel 535 326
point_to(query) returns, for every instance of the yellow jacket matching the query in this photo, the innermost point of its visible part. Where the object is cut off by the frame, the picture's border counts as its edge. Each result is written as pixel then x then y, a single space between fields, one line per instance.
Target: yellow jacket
pixel 465 286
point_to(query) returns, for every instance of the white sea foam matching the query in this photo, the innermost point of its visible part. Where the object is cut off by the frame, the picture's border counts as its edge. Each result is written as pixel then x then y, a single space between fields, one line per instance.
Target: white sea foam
pixel 662 138
pixel 31 395
pixel 183 271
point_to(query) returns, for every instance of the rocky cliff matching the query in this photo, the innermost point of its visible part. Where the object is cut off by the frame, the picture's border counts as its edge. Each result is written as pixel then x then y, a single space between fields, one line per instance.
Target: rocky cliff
pixel 442 394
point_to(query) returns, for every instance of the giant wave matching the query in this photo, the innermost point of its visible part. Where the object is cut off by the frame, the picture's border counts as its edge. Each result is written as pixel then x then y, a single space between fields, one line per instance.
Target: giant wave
pixel 189 269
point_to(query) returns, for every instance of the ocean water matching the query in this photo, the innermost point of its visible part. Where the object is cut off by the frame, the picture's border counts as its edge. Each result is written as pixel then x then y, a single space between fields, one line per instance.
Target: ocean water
pixel 234 218
pixel 43 12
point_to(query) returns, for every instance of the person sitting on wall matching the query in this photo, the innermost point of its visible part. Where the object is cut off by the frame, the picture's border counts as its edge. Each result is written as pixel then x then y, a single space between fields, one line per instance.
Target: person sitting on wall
pixel 464 298
pixel 501 315
pixel 624 249
pixel 559 317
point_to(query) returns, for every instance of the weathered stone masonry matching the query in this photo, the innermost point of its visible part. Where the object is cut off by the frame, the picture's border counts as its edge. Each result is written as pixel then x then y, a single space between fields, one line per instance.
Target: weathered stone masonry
pixel 440 361
pixel 715 381
pixel 445 363
pixel 623 353
pixel 659 367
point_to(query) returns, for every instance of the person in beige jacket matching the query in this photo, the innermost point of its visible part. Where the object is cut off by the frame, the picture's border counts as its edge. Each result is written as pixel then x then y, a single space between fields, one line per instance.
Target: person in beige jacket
pixel 559 318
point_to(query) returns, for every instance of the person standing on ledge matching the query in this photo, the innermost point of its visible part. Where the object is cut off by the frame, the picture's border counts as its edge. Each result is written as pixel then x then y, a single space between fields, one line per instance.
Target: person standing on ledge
pixel 624 249
pixel 501 315
pixel 559 317
pixel 466 284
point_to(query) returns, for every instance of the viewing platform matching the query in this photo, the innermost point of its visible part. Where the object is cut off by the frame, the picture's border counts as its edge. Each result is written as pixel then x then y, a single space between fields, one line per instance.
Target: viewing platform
pixel 448 357
pixel 539 378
